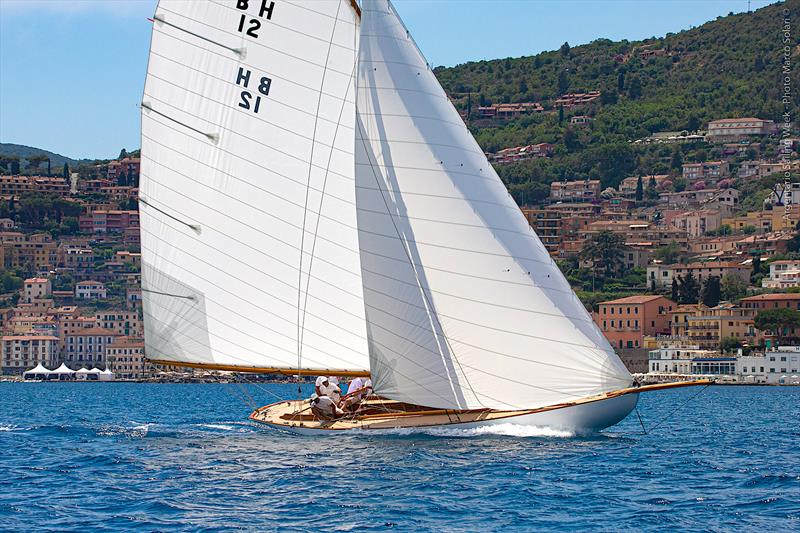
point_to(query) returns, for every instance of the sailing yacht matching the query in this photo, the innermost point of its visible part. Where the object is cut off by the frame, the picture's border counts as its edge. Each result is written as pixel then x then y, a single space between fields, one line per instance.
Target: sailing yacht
pixel 311 203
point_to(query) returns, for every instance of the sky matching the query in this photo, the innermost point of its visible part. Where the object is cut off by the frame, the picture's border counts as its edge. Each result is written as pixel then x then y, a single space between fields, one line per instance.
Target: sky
pixel 72 71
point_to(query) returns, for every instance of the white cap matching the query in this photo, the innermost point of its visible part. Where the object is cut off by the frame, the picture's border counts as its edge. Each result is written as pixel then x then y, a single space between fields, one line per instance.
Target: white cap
pixel 367 383
pixel 314 397
pixel 321 380
pixel 334 380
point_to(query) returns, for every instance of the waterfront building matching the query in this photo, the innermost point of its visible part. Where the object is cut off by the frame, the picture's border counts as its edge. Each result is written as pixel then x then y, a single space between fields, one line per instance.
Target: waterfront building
pixel 780 366
pixel 709 326
pixel 87 347
pixel 21 352
pixel 125 357
pixel 626 321
pixel 675 360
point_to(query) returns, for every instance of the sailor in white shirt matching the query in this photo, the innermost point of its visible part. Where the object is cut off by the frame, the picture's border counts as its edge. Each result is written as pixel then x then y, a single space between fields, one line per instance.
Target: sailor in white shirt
pixel 355 384
pixel 332 390
pixel 324 408
pixel 321 381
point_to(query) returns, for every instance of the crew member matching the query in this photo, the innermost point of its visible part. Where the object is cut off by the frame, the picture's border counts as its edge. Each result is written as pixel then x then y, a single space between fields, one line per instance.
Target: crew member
pixel 323 408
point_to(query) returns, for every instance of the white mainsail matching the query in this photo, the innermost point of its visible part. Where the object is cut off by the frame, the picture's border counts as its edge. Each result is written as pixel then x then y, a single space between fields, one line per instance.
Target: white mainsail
pixel 465 308
pixel 248 222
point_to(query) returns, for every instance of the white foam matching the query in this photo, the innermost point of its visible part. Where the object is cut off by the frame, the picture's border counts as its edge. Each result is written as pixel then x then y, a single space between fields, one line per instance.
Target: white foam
pixel 10 427
pixel 217 426
pixel 507 429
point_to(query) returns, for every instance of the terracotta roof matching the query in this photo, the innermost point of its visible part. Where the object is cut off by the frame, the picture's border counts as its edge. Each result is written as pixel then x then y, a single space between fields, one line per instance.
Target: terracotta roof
pixel 772 297
pixel 638 299
pixel 36 280
pixel 29 338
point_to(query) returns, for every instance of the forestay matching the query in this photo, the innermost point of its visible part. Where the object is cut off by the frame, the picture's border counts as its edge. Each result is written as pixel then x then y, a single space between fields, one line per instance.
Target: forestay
pixel 465 307
pixel 249 239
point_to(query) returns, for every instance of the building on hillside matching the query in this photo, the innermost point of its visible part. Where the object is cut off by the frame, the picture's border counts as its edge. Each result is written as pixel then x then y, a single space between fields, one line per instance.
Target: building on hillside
pixel 126 359
pixel 570 100
pixel 709 198
pixel 521 153
pixel 580 120
pixel 626 321
pixel 129 258
pixel 575 191
pixel 16 186
pixel 122 322
pixel 89 290
pixel 729 129
pixel 628 186
pixel 760 220
pixel 662 275
pixel 509 110
pixel 679 319
pixel 765 245
pixel 748 169
pixel 36 289
pixel 697 223
pixel 23 352
pixel 708 171
pixel 35 252
pixel 87 347
pixel 709 326
pixel 77 259
pixel 109 221
pixel 761 302
pixel 130 166
pixel 782 274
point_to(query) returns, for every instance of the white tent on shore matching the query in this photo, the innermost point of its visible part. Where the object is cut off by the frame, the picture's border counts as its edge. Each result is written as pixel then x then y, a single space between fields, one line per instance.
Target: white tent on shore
pixel 105 375
pixel 37 372
pixel 63 372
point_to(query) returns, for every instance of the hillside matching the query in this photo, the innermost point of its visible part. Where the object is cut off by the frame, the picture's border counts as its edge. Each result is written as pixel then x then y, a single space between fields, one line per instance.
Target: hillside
pixel 728 67
pixel 24 152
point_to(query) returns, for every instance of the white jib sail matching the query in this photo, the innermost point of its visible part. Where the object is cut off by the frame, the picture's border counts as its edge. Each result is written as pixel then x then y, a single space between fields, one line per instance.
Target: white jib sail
pixel 465 308
pixel 249 236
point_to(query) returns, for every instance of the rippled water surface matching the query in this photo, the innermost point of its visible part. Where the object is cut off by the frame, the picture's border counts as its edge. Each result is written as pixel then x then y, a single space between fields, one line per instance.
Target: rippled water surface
pixel 118 456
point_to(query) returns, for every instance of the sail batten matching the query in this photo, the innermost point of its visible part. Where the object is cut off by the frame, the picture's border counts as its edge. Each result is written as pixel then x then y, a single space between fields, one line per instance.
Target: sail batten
pixel 248 221
pixel 455 280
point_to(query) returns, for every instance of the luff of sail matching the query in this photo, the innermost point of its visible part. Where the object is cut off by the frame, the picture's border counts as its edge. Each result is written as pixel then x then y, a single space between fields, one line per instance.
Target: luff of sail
pixel 248 225
pixel 465 308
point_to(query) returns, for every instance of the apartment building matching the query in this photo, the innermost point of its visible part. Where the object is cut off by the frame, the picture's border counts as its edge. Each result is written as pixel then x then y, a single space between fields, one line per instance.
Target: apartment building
pixel 125 357
pixel 575 191
pixel 626 321
pixel 87 347
pixel 729 129
pixel 21 352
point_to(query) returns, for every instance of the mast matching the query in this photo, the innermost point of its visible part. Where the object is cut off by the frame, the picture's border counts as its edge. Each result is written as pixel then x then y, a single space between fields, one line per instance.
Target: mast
pixel 465 308
pixel 248 222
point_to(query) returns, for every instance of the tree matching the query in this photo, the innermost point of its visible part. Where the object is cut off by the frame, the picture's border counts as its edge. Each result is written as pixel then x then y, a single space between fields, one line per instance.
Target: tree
pixel 65 172
pixel 756 266
pixel 688 289
pixel 635 88
pixel 564 49
pixel 693 124
pixel 606 252
pixel 621 81
pixel 675 290
pixel 711 292
pixel 639 189
pixel 123 154
pixel 732 288
pixel 778 321
pixel 676 162
pixel 669 253
pixel 729 344
pixel 563 81
pixel 560 115
pixel 652 191
pixel 571 141
pixel 35 161
pixel 14 166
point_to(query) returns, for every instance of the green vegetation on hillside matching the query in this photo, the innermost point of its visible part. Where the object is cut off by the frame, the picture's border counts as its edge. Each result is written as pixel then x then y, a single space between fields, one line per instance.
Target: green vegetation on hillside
pixel 729 67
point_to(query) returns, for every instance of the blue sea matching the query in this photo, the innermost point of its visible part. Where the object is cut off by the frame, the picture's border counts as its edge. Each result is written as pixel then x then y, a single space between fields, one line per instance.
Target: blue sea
pixel 158 457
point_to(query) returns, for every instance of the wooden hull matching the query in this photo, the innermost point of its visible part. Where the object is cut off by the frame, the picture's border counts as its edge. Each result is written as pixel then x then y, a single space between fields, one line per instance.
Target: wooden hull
pixel 581 418
pixel 586 415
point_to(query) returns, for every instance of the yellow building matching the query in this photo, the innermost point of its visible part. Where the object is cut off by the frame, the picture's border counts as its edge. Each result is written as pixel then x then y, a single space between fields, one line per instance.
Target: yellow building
pixel 708 327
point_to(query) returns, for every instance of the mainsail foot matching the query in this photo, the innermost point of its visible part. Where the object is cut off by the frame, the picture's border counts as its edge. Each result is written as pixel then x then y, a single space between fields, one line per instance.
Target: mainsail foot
pixel 582 416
